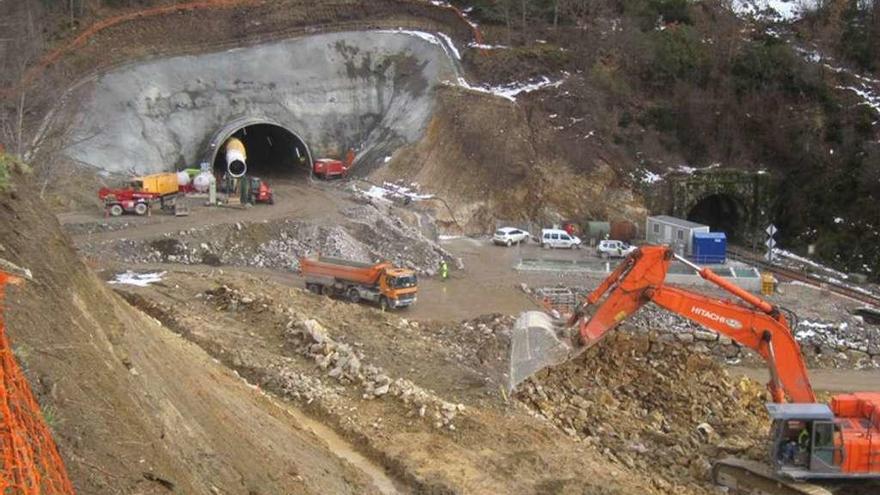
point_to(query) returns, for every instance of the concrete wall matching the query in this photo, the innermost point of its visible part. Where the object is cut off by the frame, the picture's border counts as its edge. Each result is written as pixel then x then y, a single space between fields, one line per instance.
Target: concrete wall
pixel 372 91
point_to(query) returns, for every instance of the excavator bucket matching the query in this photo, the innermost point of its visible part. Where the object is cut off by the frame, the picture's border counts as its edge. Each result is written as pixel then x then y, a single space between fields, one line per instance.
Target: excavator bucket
pixel 537 342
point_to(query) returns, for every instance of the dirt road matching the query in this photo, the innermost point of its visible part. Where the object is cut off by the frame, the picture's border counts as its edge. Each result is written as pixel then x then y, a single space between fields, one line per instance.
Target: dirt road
pixel 825 380
pixel 295 197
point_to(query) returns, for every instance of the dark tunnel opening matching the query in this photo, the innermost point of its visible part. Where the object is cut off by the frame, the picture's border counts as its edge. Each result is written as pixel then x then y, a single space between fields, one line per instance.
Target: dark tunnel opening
pixel 721 212
pixel 272 152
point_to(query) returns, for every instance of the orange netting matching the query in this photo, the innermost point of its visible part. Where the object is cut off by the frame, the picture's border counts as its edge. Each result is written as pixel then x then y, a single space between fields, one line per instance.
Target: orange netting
pixel 30 460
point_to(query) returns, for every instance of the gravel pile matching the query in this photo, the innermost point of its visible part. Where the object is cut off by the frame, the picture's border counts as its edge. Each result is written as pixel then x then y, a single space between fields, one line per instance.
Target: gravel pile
pixel 653 407
pixel 369 235
pixel 345 364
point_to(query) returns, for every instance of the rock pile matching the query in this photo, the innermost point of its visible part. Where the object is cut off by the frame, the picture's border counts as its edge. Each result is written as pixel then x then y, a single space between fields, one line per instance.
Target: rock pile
pixel 849 343
pixel 653 407
pixel 841 344
pixel 227 298
pixel 368 235
pixel 345 364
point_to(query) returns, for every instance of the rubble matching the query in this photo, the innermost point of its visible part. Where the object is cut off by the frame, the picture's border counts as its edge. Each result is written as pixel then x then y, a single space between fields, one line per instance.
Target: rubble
pixel 652 407
pixel 849 342
pixel 371 233
pixel 346 365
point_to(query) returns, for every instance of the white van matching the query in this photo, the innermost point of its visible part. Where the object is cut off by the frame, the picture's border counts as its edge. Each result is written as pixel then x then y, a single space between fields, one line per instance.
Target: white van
pixel 557 238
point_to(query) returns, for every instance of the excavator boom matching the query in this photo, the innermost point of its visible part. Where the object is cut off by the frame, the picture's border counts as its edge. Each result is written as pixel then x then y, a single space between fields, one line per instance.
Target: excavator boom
pixel 640 279
pixel 841 445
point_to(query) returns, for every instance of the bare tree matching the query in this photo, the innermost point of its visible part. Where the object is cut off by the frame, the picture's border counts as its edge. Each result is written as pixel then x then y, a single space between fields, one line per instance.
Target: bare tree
pixel 18 53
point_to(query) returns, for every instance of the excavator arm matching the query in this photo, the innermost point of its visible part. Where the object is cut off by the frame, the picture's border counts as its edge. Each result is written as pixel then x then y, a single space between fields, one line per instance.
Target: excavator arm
pixel 639 279
pixel 759 326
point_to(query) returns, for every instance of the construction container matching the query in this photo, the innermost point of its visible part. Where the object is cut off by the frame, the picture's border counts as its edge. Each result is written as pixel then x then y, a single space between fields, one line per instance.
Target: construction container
pixel 596 231
pixel 676 233
pixel 710 248
pixel 161 184
pixel 623 230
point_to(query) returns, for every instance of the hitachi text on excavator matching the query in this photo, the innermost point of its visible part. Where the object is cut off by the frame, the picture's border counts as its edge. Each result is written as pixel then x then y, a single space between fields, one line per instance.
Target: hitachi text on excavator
pixel 814 448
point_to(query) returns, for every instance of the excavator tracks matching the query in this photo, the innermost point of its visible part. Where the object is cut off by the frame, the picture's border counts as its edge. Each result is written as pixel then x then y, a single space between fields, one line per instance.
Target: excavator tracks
pixel 754 478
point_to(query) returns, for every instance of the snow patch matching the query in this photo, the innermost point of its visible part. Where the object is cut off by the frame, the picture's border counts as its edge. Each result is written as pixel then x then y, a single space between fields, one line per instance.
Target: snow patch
pixel 389 191
pixel 452 47
pixel 444 41
pixel 483 46
pixel 512 90
pixel 138 279
pixel 773 10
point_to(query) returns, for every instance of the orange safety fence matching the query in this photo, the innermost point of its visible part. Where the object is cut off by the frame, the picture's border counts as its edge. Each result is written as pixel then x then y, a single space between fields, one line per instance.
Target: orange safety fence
pixel 30 461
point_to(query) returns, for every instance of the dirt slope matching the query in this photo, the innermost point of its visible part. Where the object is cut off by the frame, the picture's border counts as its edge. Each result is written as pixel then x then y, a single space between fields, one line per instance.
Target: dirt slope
pixel 129 401
pixel 480 154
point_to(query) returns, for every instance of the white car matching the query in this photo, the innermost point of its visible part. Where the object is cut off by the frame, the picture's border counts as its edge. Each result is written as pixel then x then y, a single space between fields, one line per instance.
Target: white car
pixel 556 238
pixel 614 249
pixel 508 236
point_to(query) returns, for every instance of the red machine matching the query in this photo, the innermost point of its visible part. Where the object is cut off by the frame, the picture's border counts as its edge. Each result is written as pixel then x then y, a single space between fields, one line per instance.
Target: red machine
pixel 119 201
pixel 261 192
pixel 328 168
pixel 842 442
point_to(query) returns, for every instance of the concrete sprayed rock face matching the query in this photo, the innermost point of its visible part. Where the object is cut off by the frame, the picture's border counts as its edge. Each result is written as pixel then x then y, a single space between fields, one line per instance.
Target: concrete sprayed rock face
pixel 370 91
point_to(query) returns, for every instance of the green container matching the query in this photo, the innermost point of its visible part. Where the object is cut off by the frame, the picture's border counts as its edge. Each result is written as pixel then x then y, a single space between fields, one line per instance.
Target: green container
pixel 597 231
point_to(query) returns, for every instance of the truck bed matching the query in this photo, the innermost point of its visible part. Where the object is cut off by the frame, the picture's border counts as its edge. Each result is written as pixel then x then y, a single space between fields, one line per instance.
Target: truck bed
pixel 325 270
pixel 342 262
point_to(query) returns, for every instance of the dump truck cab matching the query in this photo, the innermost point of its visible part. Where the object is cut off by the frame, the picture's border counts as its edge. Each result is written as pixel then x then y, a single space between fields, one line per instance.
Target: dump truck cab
pixel 399 286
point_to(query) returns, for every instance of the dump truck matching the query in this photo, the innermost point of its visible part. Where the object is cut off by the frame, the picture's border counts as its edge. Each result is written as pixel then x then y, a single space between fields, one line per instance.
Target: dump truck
pixel 140 193
pixel 379 283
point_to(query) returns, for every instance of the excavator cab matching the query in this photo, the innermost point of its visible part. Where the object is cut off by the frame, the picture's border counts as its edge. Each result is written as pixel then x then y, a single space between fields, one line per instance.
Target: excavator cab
pixel 805 441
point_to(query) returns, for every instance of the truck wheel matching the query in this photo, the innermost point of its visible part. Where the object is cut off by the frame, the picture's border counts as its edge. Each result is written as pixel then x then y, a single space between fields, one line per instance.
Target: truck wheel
pixel 140 209
pixel 271 200
pixel 116 210
pixel 383 303
pixel 354 296
pixel 327 290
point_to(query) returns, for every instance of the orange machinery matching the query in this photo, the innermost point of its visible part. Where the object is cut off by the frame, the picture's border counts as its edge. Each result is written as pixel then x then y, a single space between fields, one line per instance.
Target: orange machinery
pixel 844 443
pixel 381 283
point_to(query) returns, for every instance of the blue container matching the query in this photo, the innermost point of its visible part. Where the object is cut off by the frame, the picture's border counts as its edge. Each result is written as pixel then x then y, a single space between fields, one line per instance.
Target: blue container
pixel 710 248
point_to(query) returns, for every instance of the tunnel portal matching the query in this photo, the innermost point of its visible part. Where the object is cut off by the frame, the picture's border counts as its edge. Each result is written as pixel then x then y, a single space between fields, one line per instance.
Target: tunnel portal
pixel 272 151
pixel 721 212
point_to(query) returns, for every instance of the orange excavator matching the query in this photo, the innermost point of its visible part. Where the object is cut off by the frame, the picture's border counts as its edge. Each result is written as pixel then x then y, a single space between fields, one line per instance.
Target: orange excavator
pixel 837 445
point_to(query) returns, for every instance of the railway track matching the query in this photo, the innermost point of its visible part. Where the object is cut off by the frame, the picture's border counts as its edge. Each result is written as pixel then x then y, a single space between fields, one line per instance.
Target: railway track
pixel 791 274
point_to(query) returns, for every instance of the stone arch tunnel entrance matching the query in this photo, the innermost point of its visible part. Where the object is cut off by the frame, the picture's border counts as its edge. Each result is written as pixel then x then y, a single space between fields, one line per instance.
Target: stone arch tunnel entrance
pixel 273 151
pixel 730 200
pixel 721 212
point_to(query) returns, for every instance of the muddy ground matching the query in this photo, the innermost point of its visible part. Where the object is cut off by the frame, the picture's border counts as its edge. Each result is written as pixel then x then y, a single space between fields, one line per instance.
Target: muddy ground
pixel 133 407
pixel 259 332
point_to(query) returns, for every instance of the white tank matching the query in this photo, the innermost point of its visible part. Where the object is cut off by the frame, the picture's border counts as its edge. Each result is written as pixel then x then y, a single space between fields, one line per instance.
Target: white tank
pixel 182 178
pixel 203 181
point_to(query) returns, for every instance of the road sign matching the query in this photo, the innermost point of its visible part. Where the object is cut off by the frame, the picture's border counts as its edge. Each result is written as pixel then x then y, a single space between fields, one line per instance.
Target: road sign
pixel 770 243
pixel 768 256
pixel 771 230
